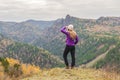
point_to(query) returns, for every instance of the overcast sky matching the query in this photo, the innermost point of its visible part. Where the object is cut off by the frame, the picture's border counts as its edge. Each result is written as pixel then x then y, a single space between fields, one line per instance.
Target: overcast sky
pixel 20 10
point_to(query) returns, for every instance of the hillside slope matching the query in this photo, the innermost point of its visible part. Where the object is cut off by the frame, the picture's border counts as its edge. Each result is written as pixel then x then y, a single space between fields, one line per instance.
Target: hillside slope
pixel 27 53
pixel 25 31
pixel 102 56
pixel 111 60
pixel 74 74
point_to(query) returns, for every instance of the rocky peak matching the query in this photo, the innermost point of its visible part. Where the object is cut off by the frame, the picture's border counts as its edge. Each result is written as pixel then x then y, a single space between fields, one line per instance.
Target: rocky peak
pixel 67 16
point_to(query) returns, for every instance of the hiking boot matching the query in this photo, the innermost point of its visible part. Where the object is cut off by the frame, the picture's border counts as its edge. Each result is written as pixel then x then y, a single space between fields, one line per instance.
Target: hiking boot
pixel 67 67
pixel 72 67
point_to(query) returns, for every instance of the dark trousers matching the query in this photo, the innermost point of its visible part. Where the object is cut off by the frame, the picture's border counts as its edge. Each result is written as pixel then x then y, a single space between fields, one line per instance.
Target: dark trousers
pixel 70 49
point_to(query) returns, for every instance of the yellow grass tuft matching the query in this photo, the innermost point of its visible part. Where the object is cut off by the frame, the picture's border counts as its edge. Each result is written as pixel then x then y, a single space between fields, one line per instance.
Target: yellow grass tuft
pixel 26 69
pixel 29 69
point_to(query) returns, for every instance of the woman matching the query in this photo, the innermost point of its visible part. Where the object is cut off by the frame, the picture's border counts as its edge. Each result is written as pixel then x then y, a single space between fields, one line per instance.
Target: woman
pixel 71 41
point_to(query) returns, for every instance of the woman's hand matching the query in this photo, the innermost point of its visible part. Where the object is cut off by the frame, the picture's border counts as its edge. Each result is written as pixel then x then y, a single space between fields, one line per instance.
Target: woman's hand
pixel 66 27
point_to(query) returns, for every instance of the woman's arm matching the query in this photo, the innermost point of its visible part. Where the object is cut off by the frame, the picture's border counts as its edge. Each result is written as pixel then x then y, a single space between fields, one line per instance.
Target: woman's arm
pixel 76 40
pixel 63 30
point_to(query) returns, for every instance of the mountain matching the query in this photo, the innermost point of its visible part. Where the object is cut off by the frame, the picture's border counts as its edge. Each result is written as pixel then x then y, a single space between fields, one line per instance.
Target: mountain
pixel 84 28
pixel 97 36
pixel 25 31
pixel 28 54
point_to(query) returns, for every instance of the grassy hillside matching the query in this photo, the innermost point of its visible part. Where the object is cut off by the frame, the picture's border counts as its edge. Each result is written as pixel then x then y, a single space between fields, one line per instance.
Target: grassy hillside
pixel 11 69
pixel 74 74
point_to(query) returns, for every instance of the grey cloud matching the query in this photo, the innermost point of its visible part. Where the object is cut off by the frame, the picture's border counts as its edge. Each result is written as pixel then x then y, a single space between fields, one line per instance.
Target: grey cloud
pixel 19 10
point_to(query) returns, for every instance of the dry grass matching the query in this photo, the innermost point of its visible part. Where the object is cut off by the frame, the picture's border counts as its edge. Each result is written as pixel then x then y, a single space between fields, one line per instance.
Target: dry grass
pixel 74 74
pixel 27 70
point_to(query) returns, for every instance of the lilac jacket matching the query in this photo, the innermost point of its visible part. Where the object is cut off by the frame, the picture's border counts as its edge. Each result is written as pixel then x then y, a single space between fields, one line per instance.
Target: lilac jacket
pixel 69 41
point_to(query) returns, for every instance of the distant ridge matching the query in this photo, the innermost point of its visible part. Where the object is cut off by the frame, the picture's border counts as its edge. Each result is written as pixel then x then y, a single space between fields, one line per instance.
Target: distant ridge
pixel 93 34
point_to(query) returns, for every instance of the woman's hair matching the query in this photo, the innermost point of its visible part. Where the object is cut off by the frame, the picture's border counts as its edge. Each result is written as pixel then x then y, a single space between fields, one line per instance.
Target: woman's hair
pixel 72 34
pixel 71 31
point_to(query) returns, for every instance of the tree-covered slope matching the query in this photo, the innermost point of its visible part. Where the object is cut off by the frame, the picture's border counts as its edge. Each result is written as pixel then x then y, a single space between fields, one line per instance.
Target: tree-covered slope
pixel 111 60
pixel 33 55
pixel 25 31
pixel 28 54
